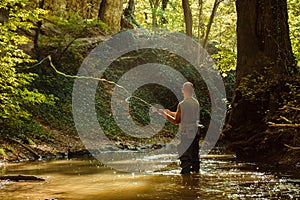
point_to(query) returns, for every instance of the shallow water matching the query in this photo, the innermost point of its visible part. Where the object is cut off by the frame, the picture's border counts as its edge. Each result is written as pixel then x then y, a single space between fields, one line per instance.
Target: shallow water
pixel 221 177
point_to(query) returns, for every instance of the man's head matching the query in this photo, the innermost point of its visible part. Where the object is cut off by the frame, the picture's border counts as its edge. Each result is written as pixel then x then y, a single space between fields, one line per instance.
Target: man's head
pixel 188 89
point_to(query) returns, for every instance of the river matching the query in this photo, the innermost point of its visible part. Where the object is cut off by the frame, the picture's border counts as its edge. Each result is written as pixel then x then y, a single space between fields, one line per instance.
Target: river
pixel 221 177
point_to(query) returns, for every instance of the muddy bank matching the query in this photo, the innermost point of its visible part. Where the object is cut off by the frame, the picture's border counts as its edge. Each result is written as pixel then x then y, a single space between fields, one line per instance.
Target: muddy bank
pixel 57 144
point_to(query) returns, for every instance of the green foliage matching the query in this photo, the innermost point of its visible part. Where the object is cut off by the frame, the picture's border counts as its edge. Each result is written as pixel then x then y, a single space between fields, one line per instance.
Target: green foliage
pixel 2 152
pixel 223 31
pixel 16 97
pixel 223 34
pixel 225 60
pixel 74 25
pixel 60 40
pixel 294 23
pixel 59 115
pixel 61 31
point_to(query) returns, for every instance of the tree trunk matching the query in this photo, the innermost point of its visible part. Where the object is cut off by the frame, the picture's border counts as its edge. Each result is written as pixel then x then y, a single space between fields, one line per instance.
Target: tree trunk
pixel 263 37
pixel 37 35
pixel 164 4
pixel 110 12
pixel 129 10
pixel 187 17
pixel 128 20
pixel 154 6
pixel 210 22
pixel 3 15
pixel 264 60
pixel 200 21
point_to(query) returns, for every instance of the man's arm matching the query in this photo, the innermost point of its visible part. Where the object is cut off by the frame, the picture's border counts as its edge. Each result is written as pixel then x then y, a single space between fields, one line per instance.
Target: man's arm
pixel 176 119
pixel 173 114
pixel 173 117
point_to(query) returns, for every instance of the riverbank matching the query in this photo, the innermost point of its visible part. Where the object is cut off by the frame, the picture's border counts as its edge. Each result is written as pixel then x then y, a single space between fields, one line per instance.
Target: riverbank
pixel 57 144
pixel 68 145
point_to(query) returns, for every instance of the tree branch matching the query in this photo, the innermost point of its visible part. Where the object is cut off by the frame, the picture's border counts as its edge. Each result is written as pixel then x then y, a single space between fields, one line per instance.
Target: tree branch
pixel 289 107
pixel 271 124
pixel 285 119
pixel 290 147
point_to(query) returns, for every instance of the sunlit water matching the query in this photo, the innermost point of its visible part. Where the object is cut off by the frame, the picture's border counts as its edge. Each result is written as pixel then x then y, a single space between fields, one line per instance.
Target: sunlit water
pixel 221 177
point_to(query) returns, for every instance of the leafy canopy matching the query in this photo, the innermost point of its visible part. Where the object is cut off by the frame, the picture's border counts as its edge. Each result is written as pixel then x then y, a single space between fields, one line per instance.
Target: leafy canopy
pixel 16 97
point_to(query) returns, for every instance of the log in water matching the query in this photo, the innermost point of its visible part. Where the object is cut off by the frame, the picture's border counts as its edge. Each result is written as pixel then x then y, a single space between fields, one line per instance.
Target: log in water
pixel 21 178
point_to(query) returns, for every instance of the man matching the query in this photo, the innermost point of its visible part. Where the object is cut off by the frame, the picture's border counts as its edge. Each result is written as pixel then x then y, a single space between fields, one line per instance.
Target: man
pixel 187 116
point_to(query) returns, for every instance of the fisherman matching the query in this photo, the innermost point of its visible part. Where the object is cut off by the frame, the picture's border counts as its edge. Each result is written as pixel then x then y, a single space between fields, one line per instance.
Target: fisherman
pixel 187 116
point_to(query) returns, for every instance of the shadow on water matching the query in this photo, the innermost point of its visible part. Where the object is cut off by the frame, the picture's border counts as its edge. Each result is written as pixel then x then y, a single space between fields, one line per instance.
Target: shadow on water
pixel 221 177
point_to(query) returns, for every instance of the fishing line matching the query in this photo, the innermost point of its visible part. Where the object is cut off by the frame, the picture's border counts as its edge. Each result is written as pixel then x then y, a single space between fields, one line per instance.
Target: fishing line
pixel 153 109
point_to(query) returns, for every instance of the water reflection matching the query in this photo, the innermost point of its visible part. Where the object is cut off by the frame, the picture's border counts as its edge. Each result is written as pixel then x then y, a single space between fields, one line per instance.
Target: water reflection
pixel 219 178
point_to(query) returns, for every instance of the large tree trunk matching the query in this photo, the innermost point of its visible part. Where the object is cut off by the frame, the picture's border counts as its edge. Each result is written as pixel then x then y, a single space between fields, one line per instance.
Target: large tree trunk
pixel 263 37
pixel 110 12
pixel 265 59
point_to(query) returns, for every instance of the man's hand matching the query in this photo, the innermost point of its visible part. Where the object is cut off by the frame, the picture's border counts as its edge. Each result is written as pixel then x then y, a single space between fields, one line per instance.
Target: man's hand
pixel 161 112
pixel 167 111
pixel 173 117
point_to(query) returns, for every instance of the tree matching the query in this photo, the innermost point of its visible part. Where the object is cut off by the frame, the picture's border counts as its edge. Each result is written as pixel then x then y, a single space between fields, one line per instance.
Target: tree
pixel 200 20
pixel 187 17
pixel 110 12
pixel 265 62
pixel 128 16
pixel 16 97
pixel 154 8
pixel 210 22
pixel 164 5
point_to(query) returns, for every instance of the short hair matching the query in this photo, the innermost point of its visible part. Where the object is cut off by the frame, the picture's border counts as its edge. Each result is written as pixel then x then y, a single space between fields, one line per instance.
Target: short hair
pixel 188 87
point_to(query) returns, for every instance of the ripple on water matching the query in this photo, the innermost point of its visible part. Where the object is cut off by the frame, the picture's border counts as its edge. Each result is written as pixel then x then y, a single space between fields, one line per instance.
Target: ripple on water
pixel 88 179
